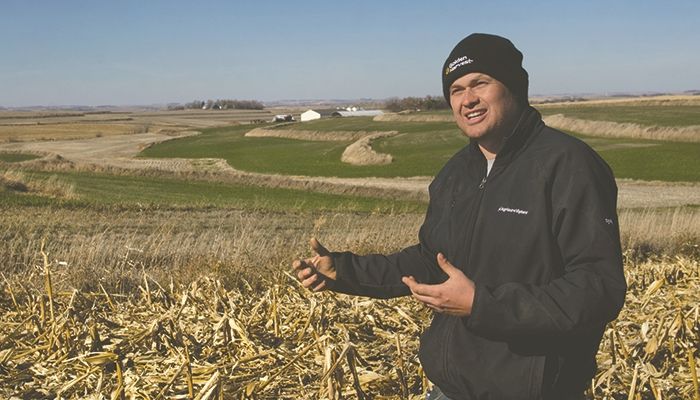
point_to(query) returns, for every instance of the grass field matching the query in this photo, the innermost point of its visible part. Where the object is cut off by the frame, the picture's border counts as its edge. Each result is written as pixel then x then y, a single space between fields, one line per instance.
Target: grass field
pixel 675 116
pixel 16 157
pixel 640 112
pixel 108 190
pixel 420 149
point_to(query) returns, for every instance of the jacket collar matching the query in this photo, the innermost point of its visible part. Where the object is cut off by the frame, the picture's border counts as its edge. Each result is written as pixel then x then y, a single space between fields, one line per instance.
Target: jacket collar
pixel 528 123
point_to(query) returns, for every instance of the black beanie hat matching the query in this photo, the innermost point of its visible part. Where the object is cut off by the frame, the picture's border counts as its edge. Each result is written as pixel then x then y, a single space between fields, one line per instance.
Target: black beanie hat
pixel 493 55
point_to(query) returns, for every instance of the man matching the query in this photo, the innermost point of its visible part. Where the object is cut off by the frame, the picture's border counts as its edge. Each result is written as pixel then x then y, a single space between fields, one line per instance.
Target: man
pixel 519 254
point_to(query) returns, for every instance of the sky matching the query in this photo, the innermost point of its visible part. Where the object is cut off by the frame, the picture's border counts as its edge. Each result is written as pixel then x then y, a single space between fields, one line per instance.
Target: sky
pixel 155 52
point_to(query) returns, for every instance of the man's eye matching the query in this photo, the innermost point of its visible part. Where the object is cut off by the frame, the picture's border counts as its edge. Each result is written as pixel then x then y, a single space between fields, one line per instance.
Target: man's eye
pixel 455 91
pixel 481 83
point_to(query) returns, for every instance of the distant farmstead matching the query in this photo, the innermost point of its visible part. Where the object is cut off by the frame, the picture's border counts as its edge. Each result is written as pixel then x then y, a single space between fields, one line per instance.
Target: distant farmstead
pixel 357 113
pixel 311 115
pixel 283 118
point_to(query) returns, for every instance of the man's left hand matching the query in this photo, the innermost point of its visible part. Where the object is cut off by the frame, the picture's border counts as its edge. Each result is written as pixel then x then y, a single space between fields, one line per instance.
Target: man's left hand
pixel 454 296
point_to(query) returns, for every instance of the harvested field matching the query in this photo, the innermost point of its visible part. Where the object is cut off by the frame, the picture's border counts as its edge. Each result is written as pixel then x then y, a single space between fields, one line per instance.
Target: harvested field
pixel 94 149
pixel 27 126
pixel 175 243
pixel 177 304
pixel 297 134
pixel 24 132
pixel 267 338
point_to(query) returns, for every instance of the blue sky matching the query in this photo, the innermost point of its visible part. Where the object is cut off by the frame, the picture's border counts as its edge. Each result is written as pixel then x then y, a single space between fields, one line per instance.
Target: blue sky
pixel 146 52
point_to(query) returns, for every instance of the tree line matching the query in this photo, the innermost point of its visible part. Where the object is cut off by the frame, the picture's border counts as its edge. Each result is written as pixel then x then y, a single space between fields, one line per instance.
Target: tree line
pixel 221 104
pixel 426 103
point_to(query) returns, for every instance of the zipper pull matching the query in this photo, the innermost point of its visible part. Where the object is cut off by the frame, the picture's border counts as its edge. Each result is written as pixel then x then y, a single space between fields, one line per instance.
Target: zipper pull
pixel 483 183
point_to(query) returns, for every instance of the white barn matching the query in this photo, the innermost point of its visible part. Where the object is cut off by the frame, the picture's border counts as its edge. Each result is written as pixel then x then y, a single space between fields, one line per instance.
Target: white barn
pixel 310 115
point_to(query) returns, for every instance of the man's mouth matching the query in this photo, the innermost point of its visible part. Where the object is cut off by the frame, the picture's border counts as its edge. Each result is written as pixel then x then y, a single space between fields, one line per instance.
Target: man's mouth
pixel 475 114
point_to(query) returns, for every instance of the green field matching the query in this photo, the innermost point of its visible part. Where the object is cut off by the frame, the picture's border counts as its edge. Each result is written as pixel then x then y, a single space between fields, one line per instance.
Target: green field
pixel 674 116
pixel 16 157
pixel 420 149
pixel 677 115
pixel 105 190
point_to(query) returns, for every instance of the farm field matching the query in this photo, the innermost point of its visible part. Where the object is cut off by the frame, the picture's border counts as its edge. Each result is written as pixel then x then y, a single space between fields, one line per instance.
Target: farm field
pixel 160 276
pixel 662 111
pixel 197 301
pixel 419 149
pixel 46 125
pixel 94 189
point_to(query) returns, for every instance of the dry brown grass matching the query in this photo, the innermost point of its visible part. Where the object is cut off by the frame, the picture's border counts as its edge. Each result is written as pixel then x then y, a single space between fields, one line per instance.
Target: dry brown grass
pixel 664 100
pixel 17 181
pixel 114 244
pixel 361 152
pixel 269 339
pixel 65 131
pixel 180 241
pixel 624 130
pixel 197 303
pixel 297 134
pixel 652 232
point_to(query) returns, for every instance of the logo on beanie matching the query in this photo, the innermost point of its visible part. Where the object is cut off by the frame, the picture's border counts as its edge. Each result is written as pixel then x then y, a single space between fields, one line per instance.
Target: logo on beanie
pixel 464 60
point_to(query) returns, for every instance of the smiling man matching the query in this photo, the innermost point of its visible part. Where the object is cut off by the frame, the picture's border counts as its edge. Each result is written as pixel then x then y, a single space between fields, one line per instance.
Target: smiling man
pixel 519 254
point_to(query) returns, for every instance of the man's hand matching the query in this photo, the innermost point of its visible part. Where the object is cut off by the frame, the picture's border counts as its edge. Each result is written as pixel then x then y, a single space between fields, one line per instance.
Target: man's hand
pixel 314 273
pixel 455 296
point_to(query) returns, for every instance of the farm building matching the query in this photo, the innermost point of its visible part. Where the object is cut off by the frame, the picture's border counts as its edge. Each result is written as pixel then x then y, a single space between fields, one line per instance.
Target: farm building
pixel 310 115
pixel 283 118
pixel 357 113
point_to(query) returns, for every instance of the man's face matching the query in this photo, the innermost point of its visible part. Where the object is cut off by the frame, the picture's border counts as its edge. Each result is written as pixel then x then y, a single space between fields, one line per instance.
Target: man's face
pixel 483 107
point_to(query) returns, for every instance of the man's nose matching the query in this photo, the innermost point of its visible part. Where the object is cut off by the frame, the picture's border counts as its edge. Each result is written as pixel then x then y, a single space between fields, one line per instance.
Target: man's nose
pixel 470 99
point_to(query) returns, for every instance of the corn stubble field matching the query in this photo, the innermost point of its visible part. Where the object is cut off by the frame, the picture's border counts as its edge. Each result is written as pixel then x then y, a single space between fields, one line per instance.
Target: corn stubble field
pixel 156 302
pixel 178 304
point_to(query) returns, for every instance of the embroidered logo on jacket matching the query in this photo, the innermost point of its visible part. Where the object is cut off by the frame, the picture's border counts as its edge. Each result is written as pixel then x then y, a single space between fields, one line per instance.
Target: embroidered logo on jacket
pixel 512 210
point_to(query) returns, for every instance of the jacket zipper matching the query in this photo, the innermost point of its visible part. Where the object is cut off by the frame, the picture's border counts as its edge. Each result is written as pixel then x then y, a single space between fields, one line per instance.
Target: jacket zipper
pixel 450 330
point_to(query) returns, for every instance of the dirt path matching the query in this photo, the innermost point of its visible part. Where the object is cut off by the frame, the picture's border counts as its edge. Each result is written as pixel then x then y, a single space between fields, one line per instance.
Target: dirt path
pixel 119 152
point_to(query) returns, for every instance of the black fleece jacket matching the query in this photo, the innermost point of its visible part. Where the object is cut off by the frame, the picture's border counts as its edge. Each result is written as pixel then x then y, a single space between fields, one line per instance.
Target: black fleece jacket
pixel 539 237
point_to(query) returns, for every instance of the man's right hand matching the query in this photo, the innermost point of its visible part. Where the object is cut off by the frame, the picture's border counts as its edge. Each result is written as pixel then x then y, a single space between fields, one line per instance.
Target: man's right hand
pixel 316 272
